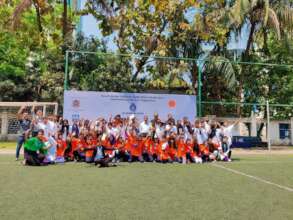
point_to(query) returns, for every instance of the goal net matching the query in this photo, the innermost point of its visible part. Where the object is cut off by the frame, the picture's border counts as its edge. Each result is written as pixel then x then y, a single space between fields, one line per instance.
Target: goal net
pixel 9 125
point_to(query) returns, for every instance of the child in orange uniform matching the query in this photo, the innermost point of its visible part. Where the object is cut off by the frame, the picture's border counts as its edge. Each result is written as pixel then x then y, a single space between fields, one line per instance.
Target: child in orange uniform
pixel 134 147
pixel 146 148
pixel 61 146
pixel 181 150
pixel 90 148
pixel 77 144
pixel 119 147
pixel 189 151
pixel 173 149
pixel 164 151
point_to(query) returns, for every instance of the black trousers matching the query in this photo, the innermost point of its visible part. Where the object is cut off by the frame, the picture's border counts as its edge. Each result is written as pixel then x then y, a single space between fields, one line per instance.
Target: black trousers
pixel 104 162
pixel 78 156
pixel 33 158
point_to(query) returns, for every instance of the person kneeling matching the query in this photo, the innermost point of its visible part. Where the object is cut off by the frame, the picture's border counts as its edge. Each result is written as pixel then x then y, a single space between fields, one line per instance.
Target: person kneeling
pixel 33 149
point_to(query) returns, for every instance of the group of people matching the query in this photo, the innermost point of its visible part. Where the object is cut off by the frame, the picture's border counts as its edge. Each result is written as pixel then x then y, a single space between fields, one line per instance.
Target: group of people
pixel 49 140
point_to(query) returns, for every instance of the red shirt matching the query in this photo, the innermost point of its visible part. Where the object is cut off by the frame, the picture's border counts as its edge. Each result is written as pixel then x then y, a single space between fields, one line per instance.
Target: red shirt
pixel 134 145
pixel 61 146
pixel 89 148
pixel 181 151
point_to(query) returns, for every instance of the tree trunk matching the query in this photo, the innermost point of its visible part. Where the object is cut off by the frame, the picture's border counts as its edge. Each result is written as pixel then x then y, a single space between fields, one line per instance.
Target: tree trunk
pixel 64 19
pixel 37 8
pixel 245 58
pixel 265 42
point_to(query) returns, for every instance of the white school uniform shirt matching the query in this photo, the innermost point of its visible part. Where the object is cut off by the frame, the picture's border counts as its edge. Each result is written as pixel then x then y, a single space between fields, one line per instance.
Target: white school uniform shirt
pixel 199 135
pixel 170 129
pixel 45 127
pixel 113 131
pixel 173 129
pixel 159 132
pixel 217 138
pixel 227 131
pixel 204 134
pixel 207 127
pixel 144 127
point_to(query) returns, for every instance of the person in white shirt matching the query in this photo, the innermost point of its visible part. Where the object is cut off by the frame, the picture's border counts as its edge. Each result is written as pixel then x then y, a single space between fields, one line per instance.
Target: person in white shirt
pixel 50 130
pixel 227 131
pixel 198 133
pixel 145 126
pixel 159 130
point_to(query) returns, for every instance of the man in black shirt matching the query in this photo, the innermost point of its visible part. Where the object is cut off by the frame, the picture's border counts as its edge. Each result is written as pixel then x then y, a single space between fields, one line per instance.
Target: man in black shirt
pixel 24 129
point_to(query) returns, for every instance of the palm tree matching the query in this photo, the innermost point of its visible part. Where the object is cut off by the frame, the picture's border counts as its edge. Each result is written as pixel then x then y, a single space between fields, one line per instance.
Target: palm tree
pixel 263 16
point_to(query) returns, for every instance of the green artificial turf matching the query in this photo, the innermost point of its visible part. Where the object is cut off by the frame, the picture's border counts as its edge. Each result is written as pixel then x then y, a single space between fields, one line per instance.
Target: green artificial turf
pixel 147 191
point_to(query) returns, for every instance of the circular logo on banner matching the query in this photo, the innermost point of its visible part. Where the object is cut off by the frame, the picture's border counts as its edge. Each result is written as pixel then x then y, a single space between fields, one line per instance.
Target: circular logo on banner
pixel 172 103
pixel 132 107
pixel 76 103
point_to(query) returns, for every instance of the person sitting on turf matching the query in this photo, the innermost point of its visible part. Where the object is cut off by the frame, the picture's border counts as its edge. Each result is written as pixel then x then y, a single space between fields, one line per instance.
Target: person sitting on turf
pixel 226 149
pixel 89 148
pixel 134 145
pixel 152 147
pixel 61 146
pixel 196 152
pixel 101 157
pixel 172 148
pixel 164 151
pixel 119 149
pixel 189 151
pixel 181 149
pixel 34 149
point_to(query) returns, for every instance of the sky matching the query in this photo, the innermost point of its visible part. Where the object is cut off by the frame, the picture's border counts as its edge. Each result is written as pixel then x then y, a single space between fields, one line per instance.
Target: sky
pixel 90 28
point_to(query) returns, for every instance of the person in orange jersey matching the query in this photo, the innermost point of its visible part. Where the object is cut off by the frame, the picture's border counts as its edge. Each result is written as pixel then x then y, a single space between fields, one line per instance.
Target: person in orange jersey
pixel 61 147
pixel 173 149
pixel 181 150
pixel 77 144
pixel 90 148
pixel 134 147
pixel 106 141
pixel 153 149
pixel 196 155
pixel 189 151
pixel 119 147
pixel 147 151
pixel 164 150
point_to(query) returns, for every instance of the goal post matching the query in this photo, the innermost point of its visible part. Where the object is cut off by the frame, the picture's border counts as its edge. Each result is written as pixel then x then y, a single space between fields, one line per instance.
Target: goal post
pixel 8 115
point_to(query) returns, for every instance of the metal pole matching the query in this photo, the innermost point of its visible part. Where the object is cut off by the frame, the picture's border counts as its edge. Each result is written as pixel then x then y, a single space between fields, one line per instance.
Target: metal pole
pixel 56 109
pixel 44 110
pixel 199 90
pixel 66 71
pixel 268 126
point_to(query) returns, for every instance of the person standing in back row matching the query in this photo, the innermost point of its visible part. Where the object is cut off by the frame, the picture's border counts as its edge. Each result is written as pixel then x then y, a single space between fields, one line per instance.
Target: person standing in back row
pixel 24 129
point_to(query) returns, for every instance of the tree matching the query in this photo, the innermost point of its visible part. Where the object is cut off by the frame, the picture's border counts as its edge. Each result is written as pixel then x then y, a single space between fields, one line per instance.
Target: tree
pixel 161 28
pixel 262 15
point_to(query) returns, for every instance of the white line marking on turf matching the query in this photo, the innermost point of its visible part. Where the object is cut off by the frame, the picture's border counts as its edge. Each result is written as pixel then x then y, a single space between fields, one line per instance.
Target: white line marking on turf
pixel 254 177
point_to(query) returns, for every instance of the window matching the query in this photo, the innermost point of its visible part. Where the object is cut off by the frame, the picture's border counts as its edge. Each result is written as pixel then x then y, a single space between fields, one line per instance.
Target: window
pixel 284 131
